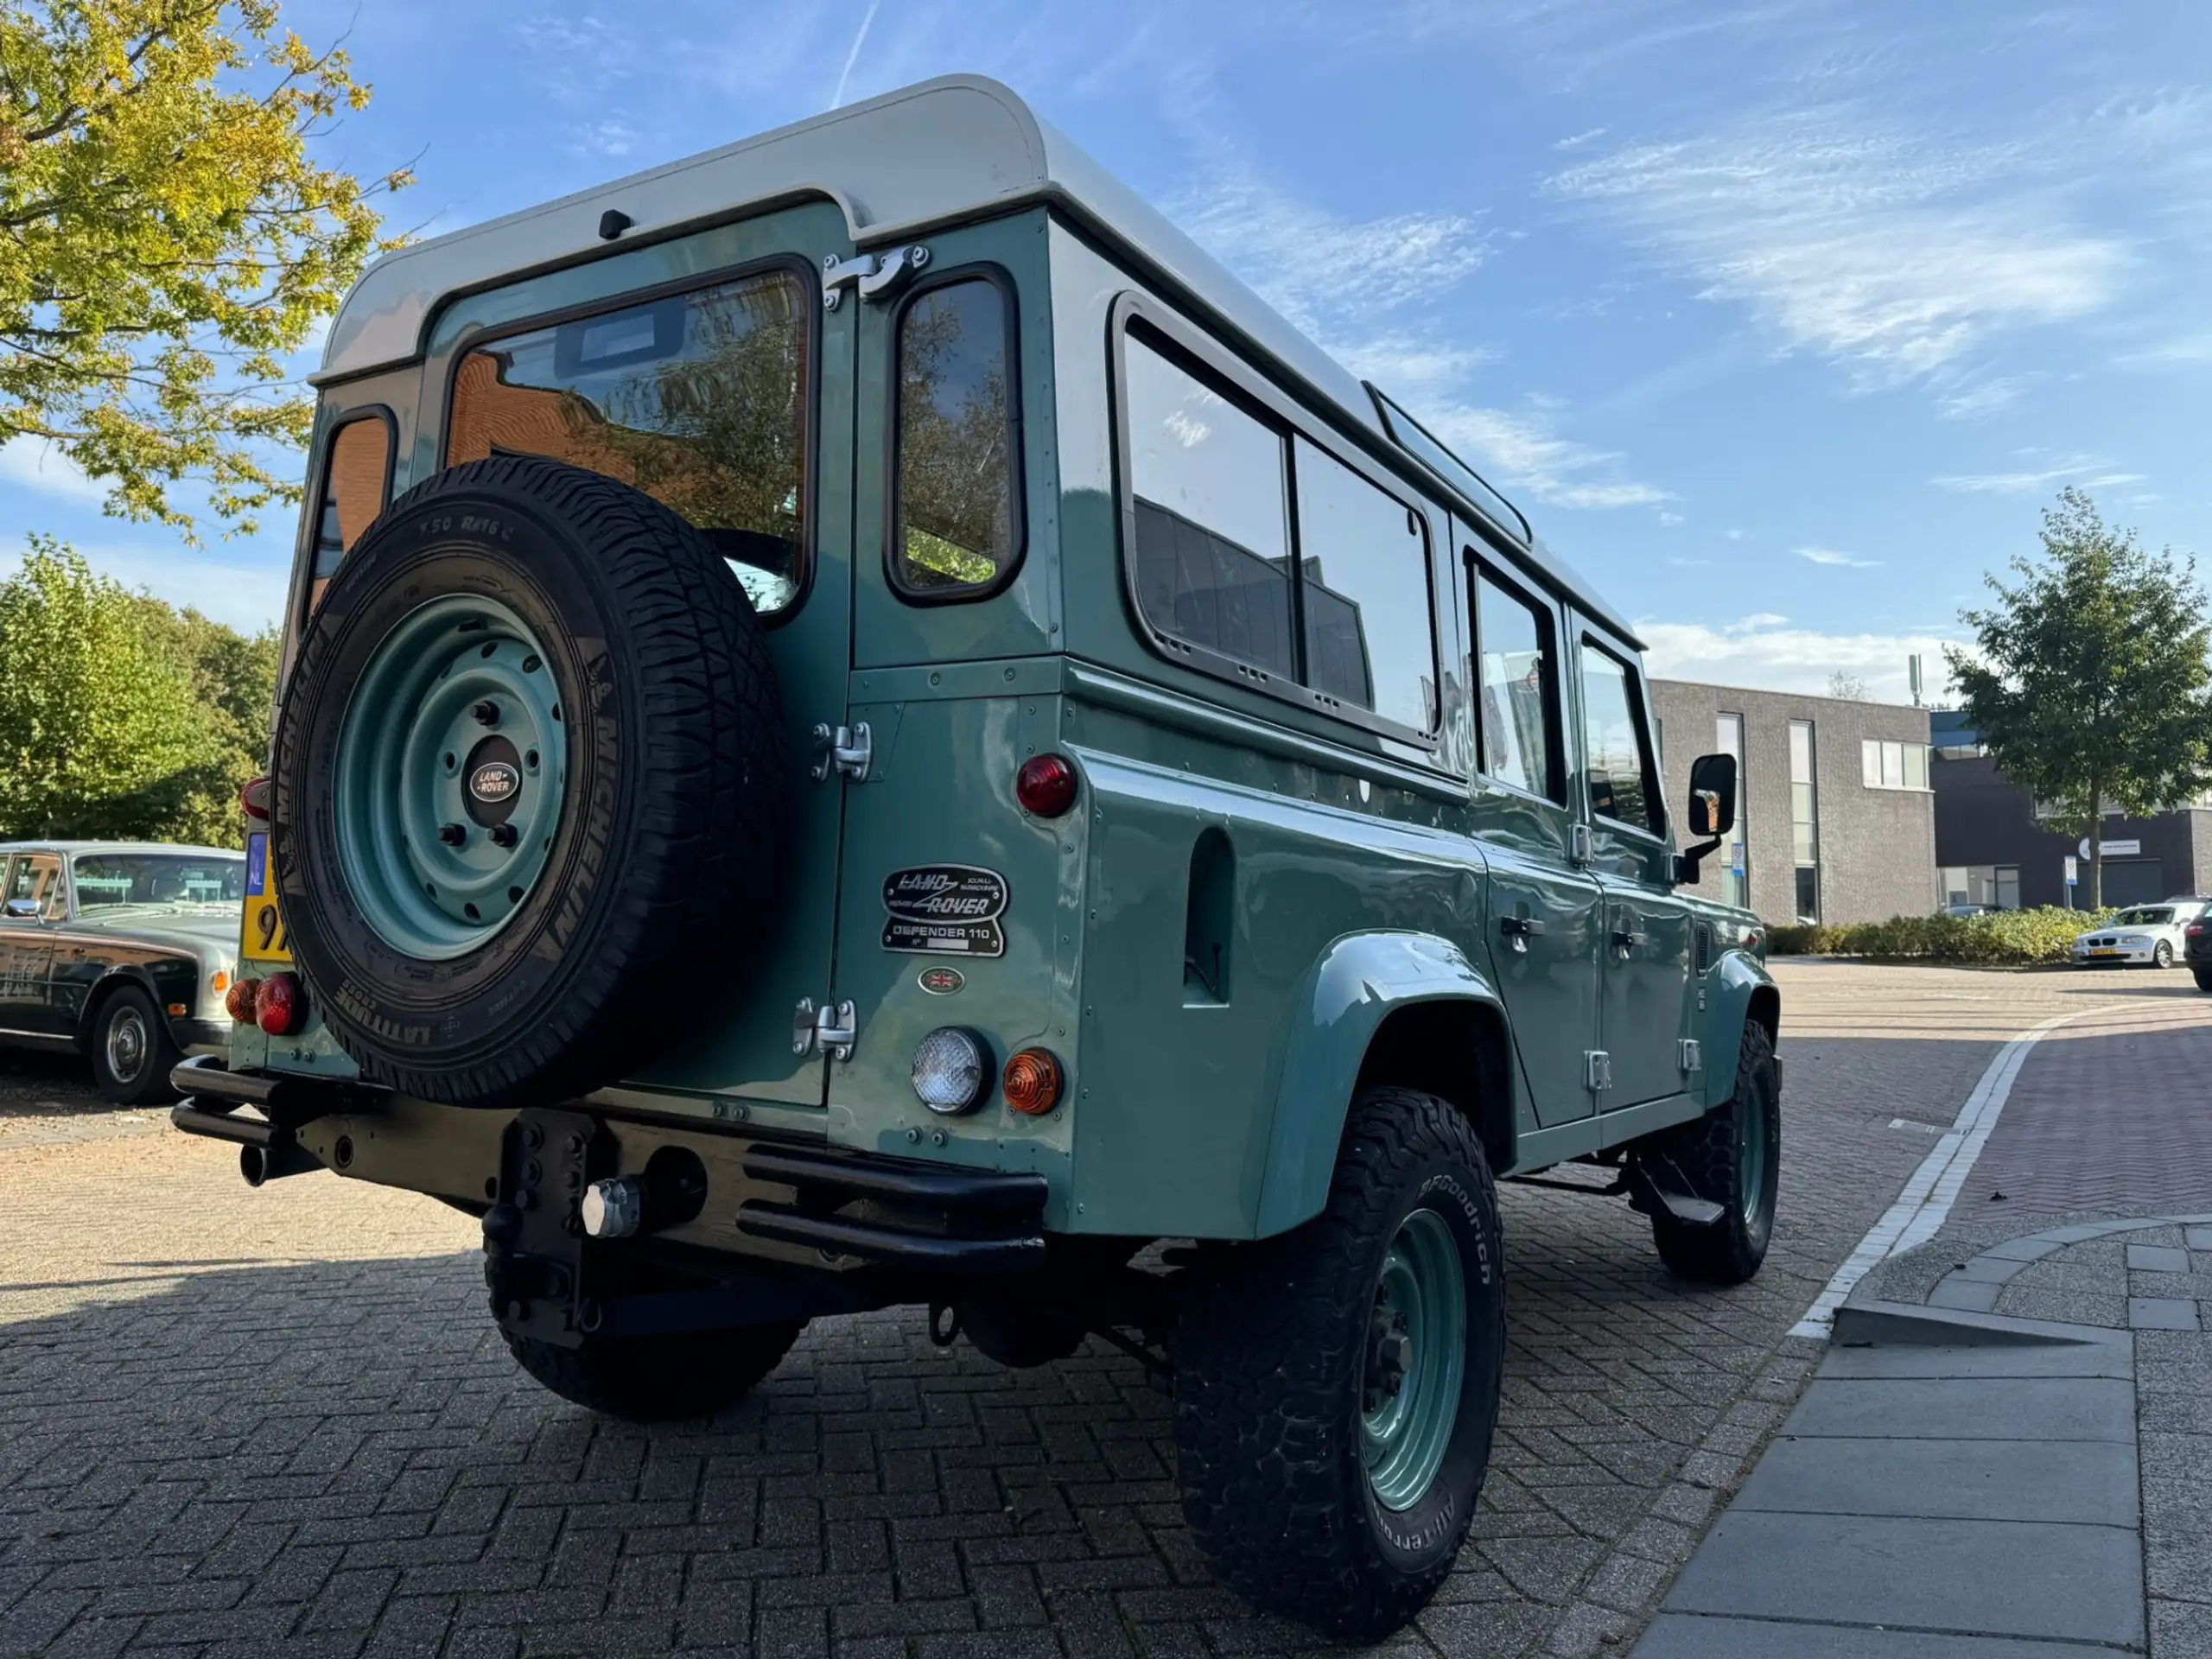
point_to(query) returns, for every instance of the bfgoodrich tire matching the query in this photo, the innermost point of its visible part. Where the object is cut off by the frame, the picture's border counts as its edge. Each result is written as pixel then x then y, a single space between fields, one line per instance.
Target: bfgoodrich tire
pixel 1319 1487
pixel 494 856
pixel 658 1379
pixel 1732 1157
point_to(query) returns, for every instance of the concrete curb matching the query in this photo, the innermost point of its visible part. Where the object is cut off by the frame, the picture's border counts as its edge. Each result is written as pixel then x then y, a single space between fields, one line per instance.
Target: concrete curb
pixel 1873 1323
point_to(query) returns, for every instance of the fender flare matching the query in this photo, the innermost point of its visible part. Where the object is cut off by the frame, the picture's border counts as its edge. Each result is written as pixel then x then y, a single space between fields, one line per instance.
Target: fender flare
pixel 1357 983
pixel 1743 990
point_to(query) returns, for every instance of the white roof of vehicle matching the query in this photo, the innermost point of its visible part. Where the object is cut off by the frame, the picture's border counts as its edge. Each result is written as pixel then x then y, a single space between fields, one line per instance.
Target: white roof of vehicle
pixel 957 148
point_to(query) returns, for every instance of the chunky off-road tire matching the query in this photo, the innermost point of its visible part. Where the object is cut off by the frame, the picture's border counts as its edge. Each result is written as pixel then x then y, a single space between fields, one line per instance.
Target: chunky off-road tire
pixel 2203 974
pixel 1275 1354
pixel 663 795
pixel 658 1379
pixel 132 1051
pixel 1713 1155
pixel 2162 954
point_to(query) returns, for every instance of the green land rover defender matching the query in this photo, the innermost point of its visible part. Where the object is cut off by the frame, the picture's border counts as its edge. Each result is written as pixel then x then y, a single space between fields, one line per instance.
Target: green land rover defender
pixel 862 725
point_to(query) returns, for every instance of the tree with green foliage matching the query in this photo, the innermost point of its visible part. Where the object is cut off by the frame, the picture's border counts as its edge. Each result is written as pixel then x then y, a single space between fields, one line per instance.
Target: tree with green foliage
pixel 2090 682
pixel 165 242
pixel 120 716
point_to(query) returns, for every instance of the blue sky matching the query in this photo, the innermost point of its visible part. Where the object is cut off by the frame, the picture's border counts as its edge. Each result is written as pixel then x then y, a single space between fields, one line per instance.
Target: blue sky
pixel 1782 319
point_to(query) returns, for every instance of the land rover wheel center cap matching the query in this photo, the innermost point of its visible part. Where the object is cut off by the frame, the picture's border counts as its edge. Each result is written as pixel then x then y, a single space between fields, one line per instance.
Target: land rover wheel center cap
pixel 450 773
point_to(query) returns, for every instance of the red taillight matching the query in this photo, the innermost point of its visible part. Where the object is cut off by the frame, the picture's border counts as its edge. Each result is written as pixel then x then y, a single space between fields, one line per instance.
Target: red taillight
pixel 281 1006
pixel 2195 929
pixel 1031 1082
pixel 239 1004
pixel 1046 785
pixel 254 798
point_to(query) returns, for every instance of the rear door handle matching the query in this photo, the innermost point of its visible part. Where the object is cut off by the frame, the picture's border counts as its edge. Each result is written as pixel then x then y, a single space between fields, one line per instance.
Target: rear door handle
pixel 1625 942
pixel 1520 930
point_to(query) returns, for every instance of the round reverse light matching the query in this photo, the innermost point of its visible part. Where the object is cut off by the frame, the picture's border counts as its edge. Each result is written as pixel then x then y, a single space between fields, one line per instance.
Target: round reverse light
pixel 1032 1083
pixel 951 1071
pixel 1046 785
pixel 282 1005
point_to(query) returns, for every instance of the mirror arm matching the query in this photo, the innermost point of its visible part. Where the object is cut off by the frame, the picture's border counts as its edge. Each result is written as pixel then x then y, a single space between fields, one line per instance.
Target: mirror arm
pixel 1686 861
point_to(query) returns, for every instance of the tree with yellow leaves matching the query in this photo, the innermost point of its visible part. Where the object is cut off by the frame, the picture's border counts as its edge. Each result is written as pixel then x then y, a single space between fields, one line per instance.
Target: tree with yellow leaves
pixel 165 242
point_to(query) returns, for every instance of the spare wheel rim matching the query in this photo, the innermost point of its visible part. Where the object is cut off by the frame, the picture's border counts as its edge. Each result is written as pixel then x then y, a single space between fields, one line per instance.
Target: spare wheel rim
pixel 451 772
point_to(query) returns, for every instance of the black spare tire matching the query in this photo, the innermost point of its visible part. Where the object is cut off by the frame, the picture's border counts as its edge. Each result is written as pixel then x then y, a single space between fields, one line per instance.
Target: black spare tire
pixel 530 774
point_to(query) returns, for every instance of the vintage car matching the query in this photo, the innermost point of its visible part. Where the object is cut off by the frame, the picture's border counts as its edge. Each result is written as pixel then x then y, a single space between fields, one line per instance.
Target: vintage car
pixel 120 949
pixel 863 725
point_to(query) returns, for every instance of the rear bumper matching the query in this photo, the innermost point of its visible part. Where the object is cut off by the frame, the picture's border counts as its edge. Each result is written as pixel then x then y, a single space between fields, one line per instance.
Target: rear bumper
pixel 798 1203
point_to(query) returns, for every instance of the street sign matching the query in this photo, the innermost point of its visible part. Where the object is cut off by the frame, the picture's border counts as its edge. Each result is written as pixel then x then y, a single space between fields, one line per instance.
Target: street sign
pixel 2116 848
pixel 2072 880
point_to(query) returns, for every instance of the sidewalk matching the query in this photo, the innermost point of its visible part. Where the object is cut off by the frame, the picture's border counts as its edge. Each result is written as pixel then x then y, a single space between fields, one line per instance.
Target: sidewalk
pixel 2007 1450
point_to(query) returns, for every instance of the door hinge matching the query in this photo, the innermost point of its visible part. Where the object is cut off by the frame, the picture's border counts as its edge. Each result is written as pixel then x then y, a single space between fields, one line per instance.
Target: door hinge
pixel 830 1029
pixel 1599 1070
pixel 1693 1054
pixel 849 750
pixel 875 278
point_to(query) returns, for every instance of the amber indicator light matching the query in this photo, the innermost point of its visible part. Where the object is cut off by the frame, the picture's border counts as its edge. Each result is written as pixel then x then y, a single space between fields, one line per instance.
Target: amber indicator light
pixel 239 1004
pixel 1046 785
pixel 1032 1082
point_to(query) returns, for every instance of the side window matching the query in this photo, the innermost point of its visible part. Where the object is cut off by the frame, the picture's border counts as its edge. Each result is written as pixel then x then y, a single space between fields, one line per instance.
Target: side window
pixel 354 487
pixel 1364 574
pixel 1517 694
pixel 38 879
pixel 1212 538
pixel 699 400
pixel 958 525
pixel 1618 751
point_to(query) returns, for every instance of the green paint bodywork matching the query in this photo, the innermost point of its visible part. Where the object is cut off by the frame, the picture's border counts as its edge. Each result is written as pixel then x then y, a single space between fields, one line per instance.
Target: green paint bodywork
pixel 1248 896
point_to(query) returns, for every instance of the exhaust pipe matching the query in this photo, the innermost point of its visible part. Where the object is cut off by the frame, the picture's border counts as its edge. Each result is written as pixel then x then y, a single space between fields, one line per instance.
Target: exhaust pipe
pixel 261 1164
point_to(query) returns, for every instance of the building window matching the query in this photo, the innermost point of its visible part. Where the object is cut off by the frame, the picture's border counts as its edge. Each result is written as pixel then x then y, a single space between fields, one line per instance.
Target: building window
pixel 1735 879
pixel 1804 820
pixel 1985 886
pixel 1892 765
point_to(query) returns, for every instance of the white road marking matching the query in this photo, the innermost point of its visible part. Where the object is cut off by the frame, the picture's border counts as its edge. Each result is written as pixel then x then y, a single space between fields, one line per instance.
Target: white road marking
pixel 1928 1197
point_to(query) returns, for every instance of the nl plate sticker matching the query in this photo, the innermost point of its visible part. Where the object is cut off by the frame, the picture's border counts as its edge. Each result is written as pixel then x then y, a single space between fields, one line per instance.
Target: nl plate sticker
pixel 944 910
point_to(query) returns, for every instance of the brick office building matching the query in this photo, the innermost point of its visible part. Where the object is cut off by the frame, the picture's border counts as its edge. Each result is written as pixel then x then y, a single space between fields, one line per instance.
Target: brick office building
pixel 1835 821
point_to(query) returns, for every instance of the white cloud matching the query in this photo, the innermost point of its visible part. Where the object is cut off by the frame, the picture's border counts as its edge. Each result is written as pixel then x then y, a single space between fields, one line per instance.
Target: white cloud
pixel 1322 271
pixel 1971 402
pixel 2083 470
pixel 1764 652
pixel 1577 140
pixel 1893 257
pixel 1829 555
pixel 1524 449
pixel 34 464
pixel 604 139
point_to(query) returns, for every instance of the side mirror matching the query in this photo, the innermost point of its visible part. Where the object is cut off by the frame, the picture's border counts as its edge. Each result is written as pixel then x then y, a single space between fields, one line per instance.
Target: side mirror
pixel 1712 810
pixel 1713 794
pixel 23 909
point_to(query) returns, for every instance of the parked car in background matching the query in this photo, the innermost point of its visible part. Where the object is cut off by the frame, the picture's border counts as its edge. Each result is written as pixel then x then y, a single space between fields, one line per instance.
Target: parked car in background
pixel 1968 910
pixel 2153 934
pixel 2197 949
pixel 121 950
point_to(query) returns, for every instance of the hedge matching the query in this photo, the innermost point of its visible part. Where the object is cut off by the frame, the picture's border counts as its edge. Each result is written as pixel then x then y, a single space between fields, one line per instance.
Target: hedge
pixel 2008 937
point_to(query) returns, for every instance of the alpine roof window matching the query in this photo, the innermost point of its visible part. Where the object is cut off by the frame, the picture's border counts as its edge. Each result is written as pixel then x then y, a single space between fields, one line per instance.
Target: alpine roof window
pixel 701 400
pixel 1259 553
pixel 959 509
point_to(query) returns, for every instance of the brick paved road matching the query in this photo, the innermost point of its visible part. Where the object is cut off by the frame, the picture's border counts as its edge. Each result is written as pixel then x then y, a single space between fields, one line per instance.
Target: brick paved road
pixel 280 1422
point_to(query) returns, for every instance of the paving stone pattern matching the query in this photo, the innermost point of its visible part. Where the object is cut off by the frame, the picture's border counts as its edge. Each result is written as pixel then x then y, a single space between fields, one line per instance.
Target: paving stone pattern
pixel 280 1422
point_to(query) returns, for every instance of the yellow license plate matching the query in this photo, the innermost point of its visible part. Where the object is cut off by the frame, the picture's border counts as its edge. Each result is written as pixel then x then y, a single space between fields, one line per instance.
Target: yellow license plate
pixel 263 936
pixel 2104 953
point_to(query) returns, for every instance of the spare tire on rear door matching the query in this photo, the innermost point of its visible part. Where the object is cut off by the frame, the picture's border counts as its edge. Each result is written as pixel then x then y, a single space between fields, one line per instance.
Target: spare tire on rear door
pixel 531 779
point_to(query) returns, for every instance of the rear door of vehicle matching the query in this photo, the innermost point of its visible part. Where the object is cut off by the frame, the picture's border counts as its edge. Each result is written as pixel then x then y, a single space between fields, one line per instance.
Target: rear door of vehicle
pixel 1543 907
pixel 1646 946
pixel 710 372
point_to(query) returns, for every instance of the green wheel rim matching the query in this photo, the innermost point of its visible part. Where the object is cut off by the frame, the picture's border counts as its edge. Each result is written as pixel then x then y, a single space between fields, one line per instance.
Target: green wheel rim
pixel 1750 1154
pixel 1417 1361
pixel 445 817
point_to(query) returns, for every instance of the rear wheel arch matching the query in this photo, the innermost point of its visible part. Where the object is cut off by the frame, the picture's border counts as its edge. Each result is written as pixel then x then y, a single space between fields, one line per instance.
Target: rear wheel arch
pixel 1456 1049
